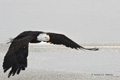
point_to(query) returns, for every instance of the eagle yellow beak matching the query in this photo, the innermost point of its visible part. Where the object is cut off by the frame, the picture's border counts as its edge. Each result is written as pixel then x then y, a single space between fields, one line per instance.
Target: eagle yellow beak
pixel 47 38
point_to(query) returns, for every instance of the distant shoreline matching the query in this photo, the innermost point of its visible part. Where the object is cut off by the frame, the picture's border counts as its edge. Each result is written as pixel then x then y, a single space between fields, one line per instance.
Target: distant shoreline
pixel 4 47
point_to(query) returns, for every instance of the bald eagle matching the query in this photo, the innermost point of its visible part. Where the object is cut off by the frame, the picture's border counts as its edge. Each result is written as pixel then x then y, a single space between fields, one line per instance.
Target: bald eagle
pixel 16 57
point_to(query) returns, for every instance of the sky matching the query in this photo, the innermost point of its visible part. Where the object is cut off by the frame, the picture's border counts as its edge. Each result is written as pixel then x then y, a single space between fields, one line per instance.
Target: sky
pixel 84 21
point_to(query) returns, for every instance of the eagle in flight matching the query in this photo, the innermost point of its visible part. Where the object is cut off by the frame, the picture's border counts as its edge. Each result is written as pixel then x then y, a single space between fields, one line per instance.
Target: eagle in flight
pixel 16 56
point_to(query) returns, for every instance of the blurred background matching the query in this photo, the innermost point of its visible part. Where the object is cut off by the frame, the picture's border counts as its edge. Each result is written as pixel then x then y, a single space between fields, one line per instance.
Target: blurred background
pixel 84 21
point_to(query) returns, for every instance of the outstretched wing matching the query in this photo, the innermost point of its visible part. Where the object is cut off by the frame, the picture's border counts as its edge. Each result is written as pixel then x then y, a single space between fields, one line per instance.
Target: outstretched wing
pixel 16 57
pixel 64 40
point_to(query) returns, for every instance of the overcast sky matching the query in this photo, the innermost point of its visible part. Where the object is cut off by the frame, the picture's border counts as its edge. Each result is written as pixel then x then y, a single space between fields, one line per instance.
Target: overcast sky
pixel 84 21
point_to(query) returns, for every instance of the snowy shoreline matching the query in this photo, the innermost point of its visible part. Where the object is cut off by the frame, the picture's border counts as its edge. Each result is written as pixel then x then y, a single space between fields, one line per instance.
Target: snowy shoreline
pixel 52 62
pixel 4 47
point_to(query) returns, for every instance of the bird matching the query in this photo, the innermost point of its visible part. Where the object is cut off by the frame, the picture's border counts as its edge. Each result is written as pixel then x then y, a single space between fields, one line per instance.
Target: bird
pixel 16 56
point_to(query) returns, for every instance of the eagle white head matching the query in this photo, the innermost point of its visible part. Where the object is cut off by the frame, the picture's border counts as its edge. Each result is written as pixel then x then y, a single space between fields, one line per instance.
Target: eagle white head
pixel 43 37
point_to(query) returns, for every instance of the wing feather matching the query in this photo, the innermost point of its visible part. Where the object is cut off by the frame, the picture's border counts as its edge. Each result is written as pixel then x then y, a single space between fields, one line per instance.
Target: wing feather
pixel 56 38
pixel 16 57
pixel 62 39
